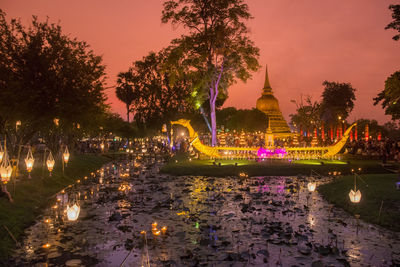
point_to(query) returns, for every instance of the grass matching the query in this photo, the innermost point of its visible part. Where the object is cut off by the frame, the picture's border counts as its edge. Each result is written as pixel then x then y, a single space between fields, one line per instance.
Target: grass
pixel 268 167
pixel 31 196
pixel 375 188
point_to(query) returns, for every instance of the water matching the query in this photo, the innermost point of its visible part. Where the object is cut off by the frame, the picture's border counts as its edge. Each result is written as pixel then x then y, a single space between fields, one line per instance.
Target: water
pixel 257 221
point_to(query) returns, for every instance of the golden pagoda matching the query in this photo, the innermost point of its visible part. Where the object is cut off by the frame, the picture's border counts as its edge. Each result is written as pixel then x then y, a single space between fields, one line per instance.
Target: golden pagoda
pixel 268 104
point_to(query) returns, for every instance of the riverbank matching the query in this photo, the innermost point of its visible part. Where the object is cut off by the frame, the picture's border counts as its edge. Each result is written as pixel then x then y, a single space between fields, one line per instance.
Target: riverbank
pixel 31 196
pixel 222 168
pixel 378 190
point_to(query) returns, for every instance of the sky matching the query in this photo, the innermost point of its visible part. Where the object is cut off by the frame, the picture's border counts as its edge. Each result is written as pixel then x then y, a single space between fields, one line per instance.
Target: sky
pixel 303 42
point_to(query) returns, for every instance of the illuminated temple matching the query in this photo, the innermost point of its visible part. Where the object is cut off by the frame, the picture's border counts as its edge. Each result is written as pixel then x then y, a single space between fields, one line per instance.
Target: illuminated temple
pixel 277 126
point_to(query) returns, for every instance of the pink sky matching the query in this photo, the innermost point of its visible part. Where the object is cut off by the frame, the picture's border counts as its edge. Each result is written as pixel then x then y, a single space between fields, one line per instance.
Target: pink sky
pixel 303 42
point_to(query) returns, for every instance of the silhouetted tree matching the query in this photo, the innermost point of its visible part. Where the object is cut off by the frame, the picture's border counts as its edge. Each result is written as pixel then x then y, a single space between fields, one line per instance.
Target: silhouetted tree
pixel 395 24
pixel 47 75
pixel 308 114
pixel 126 91
pixel 390 96
pixel 216 51
pixel 337 101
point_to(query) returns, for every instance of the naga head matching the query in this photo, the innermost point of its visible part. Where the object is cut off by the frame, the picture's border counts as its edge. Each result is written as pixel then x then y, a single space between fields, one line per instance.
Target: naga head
pixel 182 122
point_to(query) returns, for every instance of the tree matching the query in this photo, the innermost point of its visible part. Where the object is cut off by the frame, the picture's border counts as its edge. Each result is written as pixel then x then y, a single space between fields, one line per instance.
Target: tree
pixel 390 96
pixel 395 24
pixel 308 114
pixel 158 100
pixel 46 75
pixel 337 101
pixel 125 90
pixel 216 50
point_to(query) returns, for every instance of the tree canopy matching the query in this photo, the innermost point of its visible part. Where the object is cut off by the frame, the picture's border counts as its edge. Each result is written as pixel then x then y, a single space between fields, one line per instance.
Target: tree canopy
pixel 47 75
pixel 216 51
pixel 337 101
pixel 390 96
pixel 395 24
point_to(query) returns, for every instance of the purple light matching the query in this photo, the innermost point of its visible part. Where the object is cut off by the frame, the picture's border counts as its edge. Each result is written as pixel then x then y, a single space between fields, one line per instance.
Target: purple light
pixel 263 153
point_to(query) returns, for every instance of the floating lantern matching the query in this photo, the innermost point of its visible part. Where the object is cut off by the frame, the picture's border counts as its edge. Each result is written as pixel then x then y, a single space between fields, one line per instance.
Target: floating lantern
pixel 29 160
pixel 47 245
pixel 355 197
pixel 102 146
pixel 50 162
pixel 73 212
pixel 311 186
pixel 5 168
pixel 66 155
pixel 164 230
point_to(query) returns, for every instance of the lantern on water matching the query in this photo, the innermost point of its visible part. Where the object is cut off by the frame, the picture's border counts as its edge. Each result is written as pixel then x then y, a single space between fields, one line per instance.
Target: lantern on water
pixel 50 162
pixel 311 186
pixel 66 155
pixel 102 146
pixel 5 169
pixel 29 160
pixel 355 196
pixel 73 212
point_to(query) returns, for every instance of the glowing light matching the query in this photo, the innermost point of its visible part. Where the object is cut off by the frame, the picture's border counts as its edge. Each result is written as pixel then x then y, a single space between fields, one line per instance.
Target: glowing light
pixel 29 160
pixel 50 162
pixel 164 230
pixel 5 168
pixel 66 155
pixel 73 212
pixel 355 197
pixel 47 245
pixel 311 186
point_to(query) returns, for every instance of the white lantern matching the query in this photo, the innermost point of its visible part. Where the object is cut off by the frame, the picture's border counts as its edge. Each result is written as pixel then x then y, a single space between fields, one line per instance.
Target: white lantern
pixel 29 160
pixel 355 197
pixel 50 162
pixel 311 186
pixel 5 169
pixel 73 212
pixel 66 155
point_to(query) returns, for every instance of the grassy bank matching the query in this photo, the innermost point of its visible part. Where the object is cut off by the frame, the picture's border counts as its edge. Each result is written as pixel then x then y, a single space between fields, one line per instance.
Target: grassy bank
pixel 31 196
pixel 268 168
pixel 375 188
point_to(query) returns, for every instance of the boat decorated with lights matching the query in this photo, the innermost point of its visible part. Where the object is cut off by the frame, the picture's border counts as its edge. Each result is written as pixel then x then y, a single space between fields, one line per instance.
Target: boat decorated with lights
pixel 277 128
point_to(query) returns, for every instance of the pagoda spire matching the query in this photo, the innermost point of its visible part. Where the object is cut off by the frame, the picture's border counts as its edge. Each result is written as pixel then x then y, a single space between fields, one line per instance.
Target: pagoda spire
pixel 267 86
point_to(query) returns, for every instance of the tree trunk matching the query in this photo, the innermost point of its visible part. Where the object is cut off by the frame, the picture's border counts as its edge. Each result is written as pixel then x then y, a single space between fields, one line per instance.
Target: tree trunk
pixel 127 113
pixel 213 123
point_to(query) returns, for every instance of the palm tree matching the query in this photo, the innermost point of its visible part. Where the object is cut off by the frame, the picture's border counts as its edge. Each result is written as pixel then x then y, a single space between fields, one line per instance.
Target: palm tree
pixel 125 90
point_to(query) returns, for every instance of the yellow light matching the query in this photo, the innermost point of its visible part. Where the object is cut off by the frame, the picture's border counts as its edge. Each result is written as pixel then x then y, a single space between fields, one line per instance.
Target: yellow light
pixel 66 155
pixel 311 186
pixel 164 230
pixel 5 169
pixel 154 225
pixel 29 160
pixel 73 212
pixel 47 245
pixel 355 197
pixel 102 146
pixel 50 162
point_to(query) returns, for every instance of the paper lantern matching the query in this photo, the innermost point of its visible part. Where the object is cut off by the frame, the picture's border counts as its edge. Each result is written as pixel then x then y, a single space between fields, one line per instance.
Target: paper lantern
pixel 50 162
pixel 66 155
pixel 5 169
pixel 73 212
pixel 355 197
pixel 29 160
pixel 311 186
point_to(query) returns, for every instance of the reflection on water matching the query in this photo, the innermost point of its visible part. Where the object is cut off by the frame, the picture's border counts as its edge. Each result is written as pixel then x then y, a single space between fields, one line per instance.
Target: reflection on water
pixel 256 221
